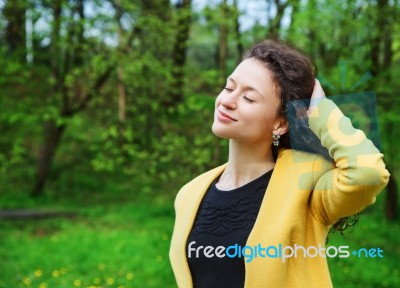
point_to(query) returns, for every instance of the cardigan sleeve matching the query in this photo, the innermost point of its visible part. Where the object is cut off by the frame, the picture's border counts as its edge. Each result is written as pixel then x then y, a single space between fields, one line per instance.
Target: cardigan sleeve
pixel 358 174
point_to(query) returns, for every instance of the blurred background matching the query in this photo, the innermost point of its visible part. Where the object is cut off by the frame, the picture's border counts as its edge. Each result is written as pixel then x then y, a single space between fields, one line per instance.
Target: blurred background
pixel 105 112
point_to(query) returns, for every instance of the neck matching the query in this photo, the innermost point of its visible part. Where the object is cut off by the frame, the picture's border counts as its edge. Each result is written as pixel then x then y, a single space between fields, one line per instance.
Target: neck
pixel 246 162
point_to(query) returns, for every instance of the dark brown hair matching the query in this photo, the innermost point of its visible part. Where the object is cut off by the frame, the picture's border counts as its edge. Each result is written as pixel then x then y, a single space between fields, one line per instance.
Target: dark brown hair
pixel 293 74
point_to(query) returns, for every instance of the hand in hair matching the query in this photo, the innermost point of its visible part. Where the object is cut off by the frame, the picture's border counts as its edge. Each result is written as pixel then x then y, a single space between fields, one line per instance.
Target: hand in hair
pixel 317 95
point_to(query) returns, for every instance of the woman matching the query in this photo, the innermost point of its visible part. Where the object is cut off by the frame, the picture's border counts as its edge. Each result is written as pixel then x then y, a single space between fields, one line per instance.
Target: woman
pixel 261 219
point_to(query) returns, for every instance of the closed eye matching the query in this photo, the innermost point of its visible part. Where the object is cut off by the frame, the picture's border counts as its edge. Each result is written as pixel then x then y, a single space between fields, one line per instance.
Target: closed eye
pixel 228 89
pixel 248 99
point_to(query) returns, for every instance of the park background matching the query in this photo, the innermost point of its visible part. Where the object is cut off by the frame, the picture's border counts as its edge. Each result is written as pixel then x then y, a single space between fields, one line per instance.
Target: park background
pixel 105 112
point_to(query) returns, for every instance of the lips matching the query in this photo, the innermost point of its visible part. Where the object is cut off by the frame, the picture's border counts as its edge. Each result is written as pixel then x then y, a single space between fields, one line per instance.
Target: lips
pixel 224 117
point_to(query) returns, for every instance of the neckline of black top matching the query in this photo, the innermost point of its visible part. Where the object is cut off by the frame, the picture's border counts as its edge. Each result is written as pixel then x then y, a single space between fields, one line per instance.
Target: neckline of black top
pixel 244 187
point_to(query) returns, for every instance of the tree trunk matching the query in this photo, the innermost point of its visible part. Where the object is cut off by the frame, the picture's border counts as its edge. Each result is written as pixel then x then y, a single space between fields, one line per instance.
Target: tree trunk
pixel 52 133
pixel 52 137
pixel 238 36
pixel 391 200
pixel 121 105
pixel 382 25
pixel 311 33
pixel 382 55
pixel 122 97
pixel 120 76
pixel 387 51
pixel 223 41
pixel 275 25
pixel 15 32
pixel 69 106
pixel 179 52
pixel 79 47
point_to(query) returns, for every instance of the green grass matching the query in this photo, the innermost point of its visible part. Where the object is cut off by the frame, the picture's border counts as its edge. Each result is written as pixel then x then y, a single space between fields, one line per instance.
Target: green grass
pixel 123 245
pixel 121 237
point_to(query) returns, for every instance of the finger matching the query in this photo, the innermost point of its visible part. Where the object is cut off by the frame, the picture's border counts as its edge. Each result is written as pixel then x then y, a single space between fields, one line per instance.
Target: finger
pixel 318 92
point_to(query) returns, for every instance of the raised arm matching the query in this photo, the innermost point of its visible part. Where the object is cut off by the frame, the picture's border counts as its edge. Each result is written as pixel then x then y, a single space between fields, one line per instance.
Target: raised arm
pixel 359 173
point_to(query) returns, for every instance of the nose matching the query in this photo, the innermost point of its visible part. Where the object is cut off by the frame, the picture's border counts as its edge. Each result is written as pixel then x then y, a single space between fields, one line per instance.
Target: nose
pixel 228 100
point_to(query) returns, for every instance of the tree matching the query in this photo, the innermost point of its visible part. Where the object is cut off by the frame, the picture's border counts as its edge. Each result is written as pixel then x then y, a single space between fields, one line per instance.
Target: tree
pixel 68 66
pixel 276 22
pixel 239 44
pixel 223 40
pixel 15 32
pixel 381 54
pixel 184 16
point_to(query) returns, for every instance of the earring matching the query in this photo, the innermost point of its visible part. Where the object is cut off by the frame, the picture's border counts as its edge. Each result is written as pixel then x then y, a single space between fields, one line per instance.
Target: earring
pixel 275 138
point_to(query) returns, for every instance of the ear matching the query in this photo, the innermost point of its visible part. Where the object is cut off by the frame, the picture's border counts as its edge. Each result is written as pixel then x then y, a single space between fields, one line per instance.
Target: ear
pixel 281 126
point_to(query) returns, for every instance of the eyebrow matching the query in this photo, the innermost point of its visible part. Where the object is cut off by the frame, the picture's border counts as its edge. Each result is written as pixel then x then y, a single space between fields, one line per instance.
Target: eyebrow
pixel 246 87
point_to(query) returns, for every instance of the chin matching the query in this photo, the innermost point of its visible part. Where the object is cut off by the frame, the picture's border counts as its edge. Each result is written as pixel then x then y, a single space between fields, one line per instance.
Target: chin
pixel 221 131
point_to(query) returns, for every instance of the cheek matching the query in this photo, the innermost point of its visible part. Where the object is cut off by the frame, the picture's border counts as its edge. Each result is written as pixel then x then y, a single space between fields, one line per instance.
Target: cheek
pixel 264 121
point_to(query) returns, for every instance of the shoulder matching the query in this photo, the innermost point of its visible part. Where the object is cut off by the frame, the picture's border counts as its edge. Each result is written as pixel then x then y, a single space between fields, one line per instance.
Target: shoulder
pixel 297 157
pixel 198 185
pixel 304 166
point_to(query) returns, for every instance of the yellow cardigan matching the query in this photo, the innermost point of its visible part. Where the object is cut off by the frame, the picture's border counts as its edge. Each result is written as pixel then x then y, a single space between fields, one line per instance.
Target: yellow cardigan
pixel 305 196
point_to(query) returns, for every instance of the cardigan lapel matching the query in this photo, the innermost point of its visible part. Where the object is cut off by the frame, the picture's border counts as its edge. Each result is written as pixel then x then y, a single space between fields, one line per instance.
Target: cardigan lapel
pixel 268 209
pixel 194 194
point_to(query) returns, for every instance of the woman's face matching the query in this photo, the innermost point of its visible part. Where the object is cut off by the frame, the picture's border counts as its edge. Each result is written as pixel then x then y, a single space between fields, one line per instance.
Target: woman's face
pixel 247 108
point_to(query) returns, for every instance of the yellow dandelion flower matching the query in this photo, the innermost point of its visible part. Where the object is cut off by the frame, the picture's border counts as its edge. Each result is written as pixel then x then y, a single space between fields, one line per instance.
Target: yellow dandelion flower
pixel 38 273
pixel 97 281
pixel 110 281
pixel 63 270
pixel 56 273
pixel 121 286
pixel 101 266
pixel 43 285
pixel 129 276
pixel 77 282
pixel 26 281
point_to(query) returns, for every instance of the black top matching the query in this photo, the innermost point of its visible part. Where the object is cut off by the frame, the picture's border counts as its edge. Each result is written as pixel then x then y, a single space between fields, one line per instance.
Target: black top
pixel 224 218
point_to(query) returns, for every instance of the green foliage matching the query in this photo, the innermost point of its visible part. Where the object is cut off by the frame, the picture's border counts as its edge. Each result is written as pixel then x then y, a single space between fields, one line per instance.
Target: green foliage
pixel 175 148
pixel 121 176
